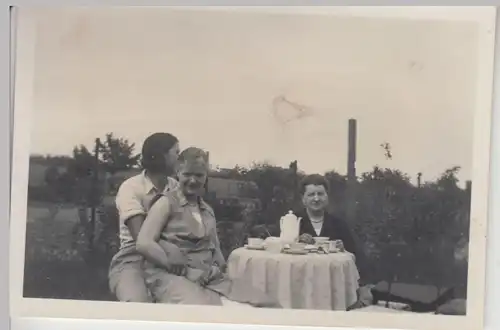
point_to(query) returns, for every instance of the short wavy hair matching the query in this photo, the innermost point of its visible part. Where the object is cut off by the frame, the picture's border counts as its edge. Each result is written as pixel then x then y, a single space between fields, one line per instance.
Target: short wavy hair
pixel 193 154
pixel 314 179
pixel 154 149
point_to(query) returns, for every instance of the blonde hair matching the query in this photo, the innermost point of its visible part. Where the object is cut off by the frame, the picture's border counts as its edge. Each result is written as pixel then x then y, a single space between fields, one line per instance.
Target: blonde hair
pixel 193 154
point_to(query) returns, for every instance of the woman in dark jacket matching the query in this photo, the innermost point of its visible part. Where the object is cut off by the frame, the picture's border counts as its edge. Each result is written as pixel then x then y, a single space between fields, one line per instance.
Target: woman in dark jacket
pixel 317 222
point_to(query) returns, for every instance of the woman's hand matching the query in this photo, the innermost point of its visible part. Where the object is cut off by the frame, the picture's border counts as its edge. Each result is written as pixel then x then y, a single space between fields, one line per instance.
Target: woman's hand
pixel 204 276
pixel 306 238
pixel 176 259
pixel 210 274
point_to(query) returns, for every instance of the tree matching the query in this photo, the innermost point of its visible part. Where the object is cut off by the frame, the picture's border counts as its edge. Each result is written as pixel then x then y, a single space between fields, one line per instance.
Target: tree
pixel 118 154
pixel 51 176
pixel 450 204
pixel 115 154
pixel 275 189
pixel 83 163
pixel 338 189
pixel 448 179
pixel 53 190
pixel 83 171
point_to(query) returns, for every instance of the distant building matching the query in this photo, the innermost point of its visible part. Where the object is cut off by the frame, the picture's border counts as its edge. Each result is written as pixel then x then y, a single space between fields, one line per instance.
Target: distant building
pixel 230 191
pixel 227 188
pixel 223 190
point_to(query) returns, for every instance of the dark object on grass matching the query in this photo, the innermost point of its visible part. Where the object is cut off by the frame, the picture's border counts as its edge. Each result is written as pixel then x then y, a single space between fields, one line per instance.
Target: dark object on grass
pixel 453 307
pixel 357 305
pixel 420 298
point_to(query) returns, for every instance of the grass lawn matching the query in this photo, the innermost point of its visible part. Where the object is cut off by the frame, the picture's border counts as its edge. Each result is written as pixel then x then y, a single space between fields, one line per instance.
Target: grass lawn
pixel 65 280
pixel 54 267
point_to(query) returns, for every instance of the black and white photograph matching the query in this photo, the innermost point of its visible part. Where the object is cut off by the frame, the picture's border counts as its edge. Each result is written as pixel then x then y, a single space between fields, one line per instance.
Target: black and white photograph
pixel 284 166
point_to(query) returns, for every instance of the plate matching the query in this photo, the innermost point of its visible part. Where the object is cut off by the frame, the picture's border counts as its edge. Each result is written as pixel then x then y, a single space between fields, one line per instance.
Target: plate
pixel 299 252
pixel 255 247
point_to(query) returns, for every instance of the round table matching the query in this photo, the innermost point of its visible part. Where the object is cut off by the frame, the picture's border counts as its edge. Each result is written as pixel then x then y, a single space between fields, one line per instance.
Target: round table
pixel 310 281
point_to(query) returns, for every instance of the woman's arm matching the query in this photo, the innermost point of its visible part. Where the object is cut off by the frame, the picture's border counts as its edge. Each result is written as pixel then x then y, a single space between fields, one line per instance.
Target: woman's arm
pixel 218 257
pixel 129 206
pixel 149 234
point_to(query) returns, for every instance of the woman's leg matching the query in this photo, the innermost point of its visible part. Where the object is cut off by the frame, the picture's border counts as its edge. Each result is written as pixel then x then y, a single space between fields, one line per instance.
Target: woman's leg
pixel 127 280
pixel 129 285
pixel 172 289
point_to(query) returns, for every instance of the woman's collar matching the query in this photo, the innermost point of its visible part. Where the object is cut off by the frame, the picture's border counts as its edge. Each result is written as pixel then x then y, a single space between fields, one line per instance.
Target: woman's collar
pixel 183 200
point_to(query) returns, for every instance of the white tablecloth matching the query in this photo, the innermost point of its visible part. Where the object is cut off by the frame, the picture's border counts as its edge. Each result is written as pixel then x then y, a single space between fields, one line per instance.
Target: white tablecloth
pixel 312 281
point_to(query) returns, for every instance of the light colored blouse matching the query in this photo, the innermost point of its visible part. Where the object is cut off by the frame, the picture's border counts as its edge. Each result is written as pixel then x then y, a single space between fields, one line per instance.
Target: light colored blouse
pixel 134 197
pixel 317 227
pixel 192 228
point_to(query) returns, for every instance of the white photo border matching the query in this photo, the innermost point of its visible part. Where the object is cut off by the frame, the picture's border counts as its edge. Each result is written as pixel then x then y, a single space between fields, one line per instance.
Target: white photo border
pixel 484 17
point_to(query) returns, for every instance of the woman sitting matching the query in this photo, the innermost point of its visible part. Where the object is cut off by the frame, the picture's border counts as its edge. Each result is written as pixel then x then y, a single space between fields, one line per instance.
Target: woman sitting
pixel 184 263
pixel 317 221
pixel 133 200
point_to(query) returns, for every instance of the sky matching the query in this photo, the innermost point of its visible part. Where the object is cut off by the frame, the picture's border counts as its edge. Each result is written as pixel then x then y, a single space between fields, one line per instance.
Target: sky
pixel 214 79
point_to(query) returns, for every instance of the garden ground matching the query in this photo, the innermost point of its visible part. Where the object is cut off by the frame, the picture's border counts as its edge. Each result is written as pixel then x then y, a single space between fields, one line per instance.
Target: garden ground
pixel 54 266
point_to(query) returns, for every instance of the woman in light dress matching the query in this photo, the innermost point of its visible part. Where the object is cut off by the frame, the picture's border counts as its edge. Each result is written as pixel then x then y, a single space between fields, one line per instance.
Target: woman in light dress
pixel 184 263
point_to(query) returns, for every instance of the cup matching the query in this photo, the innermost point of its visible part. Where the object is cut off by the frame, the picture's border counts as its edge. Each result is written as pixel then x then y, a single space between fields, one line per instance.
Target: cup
pixel 273 244
pixel 334 246
pixel 255 242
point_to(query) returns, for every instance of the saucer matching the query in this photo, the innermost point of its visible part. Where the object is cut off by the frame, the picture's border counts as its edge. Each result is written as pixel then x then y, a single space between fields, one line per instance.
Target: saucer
pixel 296 251
pixel 255 247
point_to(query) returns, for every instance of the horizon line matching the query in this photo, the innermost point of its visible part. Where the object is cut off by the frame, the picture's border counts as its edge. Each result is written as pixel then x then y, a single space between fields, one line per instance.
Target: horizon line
pixel 264 162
